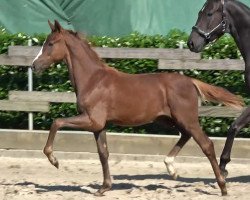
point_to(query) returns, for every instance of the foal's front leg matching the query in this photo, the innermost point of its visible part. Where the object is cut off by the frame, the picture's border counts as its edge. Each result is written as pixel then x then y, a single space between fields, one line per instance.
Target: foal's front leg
pixel 81 121
pixel 103 152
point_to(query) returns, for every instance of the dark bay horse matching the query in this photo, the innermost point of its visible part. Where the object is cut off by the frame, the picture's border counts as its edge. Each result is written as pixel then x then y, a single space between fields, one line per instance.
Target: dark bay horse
pixel 107 95
pixel 216 18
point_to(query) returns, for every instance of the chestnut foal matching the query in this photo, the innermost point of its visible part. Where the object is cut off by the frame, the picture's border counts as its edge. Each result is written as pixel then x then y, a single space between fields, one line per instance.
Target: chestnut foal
pixel 107 95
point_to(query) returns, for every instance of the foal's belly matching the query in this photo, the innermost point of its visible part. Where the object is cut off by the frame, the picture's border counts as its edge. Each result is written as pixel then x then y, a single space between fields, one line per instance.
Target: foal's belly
pixel 132 122
pixel 138 119
pixel 138 112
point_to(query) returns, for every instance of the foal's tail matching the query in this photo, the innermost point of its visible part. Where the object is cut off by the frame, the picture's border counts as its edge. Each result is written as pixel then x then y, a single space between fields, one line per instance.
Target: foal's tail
pixel 218 94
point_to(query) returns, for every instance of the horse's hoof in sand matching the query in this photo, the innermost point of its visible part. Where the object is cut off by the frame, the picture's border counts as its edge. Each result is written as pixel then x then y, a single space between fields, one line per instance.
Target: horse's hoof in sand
pixel 103 189
pixel 175 176
pixel 169 162
pixel 224 173
pixel 54 162
pixel 98 194
pixel 224 193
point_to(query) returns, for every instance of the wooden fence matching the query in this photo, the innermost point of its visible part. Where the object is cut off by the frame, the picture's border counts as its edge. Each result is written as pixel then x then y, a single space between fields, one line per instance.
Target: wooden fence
pixel 167 59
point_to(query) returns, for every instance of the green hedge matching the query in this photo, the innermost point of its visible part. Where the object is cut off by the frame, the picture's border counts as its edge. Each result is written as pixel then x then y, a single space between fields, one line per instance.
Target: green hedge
pixel 56 78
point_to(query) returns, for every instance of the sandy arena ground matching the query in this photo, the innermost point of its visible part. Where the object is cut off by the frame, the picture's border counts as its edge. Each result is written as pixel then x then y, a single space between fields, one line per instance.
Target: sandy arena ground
pixel 36 179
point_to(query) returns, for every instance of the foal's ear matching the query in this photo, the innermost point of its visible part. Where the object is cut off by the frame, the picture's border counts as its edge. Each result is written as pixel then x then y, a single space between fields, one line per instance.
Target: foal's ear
pixel 52 27
pixel 58 27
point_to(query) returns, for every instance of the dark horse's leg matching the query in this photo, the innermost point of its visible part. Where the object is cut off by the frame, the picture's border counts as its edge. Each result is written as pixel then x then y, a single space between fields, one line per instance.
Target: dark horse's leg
pixel 169 160
pixel 237 125
pixel 103 152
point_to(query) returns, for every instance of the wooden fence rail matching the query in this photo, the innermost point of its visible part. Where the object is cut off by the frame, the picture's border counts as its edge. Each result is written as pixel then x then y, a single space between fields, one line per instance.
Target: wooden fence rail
pixel 126 53
pixel 26 106
pixel 69 97
pixel 202 64
pixel 167 58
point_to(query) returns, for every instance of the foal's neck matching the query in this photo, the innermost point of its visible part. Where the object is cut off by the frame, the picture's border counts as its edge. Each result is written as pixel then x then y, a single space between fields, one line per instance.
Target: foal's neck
pixel 83 63
pixel 239 19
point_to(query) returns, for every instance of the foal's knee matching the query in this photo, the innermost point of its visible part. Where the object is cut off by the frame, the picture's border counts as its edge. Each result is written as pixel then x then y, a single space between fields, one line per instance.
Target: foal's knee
pixel 104 153
pixel 57 123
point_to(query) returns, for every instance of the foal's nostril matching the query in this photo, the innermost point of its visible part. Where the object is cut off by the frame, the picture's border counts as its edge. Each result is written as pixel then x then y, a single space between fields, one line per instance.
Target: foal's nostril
pixel 33 67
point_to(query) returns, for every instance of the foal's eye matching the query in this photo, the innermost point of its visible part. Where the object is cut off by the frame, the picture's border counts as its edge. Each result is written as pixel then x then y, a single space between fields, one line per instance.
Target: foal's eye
pixel 50 44
pixel 209 14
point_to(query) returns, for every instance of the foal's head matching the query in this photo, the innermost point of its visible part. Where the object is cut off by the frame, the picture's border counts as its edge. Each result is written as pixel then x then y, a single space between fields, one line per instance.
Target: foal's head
pixel 53 50
pixel 210 25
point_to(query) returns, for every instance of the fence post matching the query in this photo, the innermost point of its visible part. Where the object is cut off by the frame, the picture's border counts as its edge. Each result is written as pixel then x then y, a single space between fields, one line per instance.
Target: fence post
pixel 181 45
pixel 30 88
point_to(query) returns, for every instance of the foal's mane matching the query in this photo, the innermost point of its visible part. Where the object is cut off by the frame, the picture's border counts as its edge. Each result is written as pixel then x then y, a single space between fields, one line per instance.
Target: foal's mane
pixel 86 46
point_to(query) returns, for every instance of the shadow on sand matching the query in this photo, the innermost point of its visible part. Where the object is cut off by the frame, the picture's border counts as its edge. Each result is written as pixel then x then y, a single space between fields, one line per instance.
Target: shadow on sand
pixel 48 188
pixel 240 179
pixel 183 183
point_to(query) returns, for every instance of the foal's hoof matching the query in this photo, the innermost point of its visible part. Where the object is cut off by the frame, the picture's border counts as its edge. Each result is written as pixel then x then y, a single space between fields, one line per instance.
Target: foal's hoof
pixel 54 162
pixel 171 169
pixel 175 176
pixel 224 192
pixel 224 173
pixel 103 189
pixel 98 194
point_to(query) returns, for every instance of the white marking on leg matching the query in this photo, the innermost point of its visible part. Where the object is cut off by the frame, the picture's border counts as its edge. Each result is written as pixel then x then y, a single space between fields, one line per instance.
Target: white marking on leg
pixel 40 53
pixel 169 162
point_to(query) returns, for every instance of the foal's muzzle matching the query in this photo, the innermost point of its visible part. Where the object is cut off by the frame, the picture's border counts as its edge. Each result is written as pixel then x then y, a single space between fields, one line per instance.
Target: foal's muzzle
pixel 33 67
pixel 37 67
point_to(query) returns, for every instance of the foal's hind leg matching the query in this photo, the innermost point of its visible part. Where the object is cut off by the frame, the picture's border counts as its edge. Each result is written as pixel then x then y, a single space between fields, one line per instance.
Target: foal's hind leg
pixel 190 124
pixel 169 160
pixel 102 148
pixel 208 149
pixel 237 125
